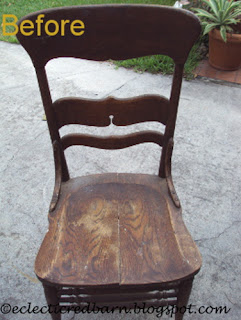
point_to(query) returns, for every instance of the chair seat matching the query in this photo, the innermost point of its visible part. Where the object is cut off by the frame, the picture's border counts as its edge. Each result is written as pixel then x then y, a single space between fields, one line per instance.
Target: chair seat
pixel 116 229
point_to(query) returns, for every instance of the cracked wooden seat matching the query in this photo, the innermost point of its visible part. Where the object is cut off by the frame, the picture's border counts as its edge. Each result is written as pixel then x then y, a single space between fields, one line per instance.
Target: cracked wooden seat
pixel 116 229
pixel 115 238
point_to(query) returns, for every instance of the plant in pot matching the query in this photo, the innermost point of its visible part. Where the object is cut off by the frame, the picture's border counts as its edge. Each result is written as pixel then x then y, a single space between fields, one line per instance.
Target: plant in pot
pixel 219 21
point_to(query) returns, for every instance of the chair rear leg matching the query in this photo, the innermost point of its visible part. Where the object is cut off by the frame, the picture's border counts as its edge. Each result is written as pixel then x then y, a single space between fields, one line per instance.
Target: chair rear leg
pixel 52 299
pixel 184 291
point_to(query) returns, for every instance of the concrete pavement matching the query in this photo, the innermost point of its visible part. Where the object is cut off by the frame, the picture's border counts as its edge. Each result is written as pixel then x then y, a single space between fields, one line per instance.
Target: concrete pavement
pixel 206 171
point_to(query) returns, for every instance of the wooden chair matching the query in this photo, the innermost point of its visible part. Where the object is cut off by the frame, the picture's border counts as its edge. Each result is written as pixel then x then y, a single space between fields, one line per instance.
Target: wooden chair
pixel 115 239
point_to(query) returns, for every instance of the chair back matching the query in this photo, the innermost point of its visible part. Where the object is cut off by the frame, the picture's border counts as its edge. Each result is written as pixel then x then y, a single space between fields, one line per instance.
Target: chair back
pixel 110 32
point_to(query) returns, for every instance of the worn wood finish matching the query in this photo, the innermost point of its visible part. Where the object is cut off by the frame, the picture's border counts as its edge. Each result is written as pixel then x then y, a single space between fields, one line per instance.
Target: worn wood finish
pixel 122 296
pixel 126 304
pixel 115 32
pixel 116 229
pixel 122 111
pixel 58 176
pixel 81 246
pixel 124 289
pixel 111 142
pixel 115 238
pixel 105 298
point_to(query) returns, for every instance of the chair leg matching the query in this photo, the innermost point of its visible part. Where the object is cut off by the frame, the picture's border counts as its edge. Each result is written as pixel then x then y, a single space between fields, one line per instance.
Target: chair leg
pixel 183 297
pixel 52 299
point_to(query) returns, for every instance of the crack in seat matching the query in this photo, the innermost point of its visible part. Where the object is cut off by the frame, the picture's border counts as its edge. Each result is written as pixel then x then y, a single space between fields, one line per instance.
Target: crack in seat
pixel 116 229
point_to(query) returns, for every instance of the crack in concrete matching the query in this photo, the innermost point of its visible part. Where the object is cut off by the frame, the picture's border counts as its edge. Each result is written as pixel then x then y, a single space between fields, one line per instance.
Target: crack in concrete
pixel 70 75
pixel 216 237
pixel 33 221
pixel 118 88
pixel 233 303
pixel 73 317
pixel 202 198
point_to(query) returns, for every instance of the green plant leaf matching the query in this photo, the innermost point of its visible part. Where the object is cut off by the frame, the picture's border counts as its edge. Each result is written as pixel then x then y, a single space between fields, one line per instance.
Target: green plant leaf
pixel 220 16
pixel 229 29
pixel 209 27
pixel 205 14
pixel 232 10
pixel 223 33
pixel 213 5
pixel 235 14
pixel 231 21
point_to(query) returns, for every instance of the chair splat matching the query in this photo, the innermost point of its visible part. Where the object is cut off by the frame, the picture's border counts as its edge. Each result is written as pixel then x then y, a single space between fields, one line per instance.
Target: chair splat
pixel 98 112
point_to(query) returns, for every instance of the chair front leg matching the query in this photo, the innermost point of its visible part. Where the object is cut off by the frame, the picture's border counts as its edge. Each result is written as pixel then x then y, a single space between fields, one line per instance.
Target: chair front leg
pixel 183 295
pixel 53 301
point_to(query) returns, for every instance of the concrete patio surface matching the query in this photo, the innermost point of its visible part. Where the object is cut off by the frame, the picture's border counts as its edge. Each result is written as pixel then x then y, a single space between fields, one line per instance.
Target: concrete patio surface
pixel 206 172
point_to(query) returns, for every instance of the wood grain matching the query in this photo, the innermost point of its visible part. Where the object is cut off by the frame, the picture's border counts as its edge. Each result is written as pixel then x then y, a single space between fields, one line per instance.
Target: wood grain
pixel 82 242
pixel 116 229
pixel 98 112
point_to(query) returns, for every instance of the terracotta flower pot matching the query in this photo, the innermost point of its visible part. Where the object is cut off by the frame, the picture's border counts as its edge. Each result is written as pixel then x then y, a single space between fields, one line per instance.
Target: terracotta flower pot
pixel 224 55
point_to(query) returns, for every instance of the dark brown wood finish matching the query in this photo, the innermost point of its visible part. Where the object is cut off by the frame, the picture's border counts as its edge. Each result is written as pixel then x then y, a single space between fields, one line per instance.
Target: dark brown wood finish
pixel 115 32
pixel 111 142
pixel 115 239
pixel 51 120
pixel 123 112
pixel 52 299
pixel 168 173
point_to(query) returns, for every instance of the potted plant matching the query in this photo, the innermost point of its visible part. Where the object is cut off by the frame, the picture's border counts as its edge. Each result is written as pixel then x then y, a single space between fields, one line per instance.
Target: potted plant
pixel 219 21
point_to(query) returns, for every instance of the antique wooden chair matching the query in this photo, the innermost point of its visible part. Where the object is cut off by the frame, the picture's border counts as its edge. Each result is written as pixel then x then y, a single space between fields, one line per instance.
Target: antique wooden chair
pixel 115 239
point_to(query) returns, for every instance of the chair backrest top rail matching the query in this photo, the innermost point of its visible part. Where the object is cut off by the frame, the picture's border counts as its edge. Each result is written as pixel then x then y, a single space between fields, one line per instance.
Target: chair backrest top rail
pixel 112 32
